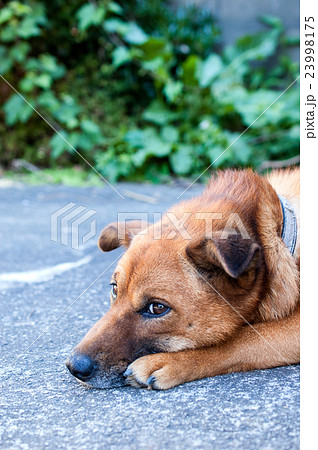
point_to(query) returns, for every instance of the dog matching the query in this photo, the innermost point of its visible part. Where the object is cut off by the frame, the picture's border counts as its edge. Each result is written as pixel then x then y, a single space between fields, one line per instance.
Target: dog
pixel 212 288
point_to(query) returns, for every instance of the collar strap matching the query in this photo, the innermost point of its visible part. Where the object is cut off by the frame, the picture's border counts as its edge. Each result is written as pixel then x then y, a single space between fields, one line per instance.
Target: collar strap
pixel 289 231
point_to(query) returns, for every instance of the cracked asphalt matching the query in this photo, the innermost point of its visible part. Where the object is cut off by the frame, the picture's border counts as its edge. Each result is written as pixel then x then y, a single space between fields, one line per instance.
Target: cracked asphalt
pixel 42 406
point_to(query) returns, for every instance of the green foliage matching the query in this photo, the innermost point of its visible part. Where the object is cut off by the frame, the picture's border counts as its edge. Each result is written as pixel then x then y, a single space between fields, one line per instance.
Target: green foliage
pixel 141 92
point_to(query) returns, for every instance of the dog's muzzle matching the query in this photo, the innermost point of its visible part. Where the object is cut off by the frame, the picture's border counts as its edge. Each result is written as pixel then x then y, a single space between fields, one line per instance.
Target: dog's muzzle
pixel 81 366
pixel 87 370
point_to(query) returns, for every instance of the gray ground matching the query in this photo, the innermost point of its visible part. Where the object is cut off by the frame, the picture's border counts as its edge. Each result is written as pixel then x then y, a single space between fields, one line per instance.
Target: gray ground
pixel 42 406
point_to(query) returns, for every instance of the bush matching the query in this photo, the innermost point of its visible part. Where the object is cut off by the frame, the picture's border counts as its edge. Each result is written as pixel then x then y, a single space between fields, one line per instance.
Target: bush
pixel 140 92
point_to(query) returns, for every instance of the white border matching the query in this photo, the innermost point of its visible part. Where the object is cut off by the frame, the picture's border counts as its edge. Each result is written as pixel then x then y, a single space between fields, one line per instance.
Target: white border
pixel 309 252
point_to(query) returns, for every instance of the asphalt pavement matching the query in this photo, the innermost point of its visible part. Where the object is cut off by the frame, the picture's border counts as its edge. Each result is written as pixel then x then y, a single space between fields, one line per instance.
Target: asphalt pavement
pixel 49 299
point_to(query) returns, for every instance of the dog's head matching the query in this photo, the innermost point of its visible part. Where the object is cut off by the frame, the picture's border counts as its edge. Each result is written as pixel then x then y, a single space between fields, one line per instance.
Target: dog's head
pixel 168 294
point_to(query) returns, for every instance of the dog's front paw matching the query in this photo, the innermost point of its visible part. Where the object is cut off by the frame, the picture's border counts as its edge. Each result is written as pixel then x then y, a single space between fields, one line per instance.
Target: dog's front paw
pixel 159 371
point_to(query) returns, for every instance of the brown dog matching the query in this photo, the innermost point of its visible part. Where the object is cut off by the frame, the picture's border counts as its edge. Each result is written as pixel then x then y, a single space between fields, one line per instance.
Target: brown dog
pixel 213 288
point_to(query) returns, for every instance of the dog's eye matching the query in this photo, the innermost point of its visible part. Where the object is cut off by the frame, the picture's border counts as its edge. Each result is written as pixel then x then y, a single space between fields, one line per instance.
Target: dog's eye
pixel 114 290
pixel 157 309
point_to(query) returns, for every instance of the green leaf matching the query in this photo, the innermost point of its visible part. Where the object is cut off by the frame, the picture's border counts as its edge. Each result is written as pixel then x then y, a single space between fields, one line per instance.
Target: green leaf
pixel 21 9
pixel 156 47
pixel 172 89
pixel 5 65
pixel 294 132
pixel 28 28
pixel 121 55
pixel 252 104
pixel 16 110
pixel 77 140
pixel 115 26
pixel 90 14
pixel 291 40
pixel 134 34
pixel 218 156
pixel 114 8
pixel 43 80
pixel 152 145
pixel 157 113
pixel 135 137
pixel 68 112
pixel 182 160
pixel 272 21
pixel 58 144
pixel 27 83
pixel 141 155
pixel 19 51
pixel 48 101
pixel 208 70
pixel 5 14
pixel 91 135
pixel 251 48
pixel 49 64
pixel 90 127
pixel 189 70
pixel 6 61
pixel 154 65
pixel 240 148
pixel 9 33
pixel 170 134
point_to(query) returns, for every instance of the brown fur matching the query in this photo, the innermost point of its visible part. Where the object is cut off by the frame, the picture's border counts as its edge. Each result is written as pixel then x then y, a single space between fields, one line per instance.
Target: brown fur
pixel 216 288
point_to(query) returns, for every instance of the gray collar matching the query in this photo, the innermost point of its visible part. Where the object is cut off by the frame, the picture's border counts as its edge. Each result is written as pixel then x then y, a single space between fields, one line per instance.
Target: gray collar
pixel 289 231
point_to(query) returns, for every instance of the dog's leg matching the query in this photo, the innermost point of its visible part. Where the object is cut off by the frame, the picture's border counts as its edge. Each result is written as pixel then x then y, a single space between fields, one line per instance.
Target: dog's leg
pixel 265 345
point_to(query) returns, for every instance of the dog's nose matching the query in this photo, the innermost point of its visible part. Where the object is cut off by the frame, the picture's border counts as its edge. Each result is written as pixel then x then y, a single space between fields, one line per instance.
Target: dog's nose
pixel 81 366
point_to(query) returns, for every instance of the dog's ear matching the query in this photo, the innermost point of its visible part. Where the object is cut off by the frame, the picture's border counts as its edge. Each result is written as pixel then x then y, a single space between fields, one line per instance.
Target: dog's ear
pixel 235 255
pixel 120 233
